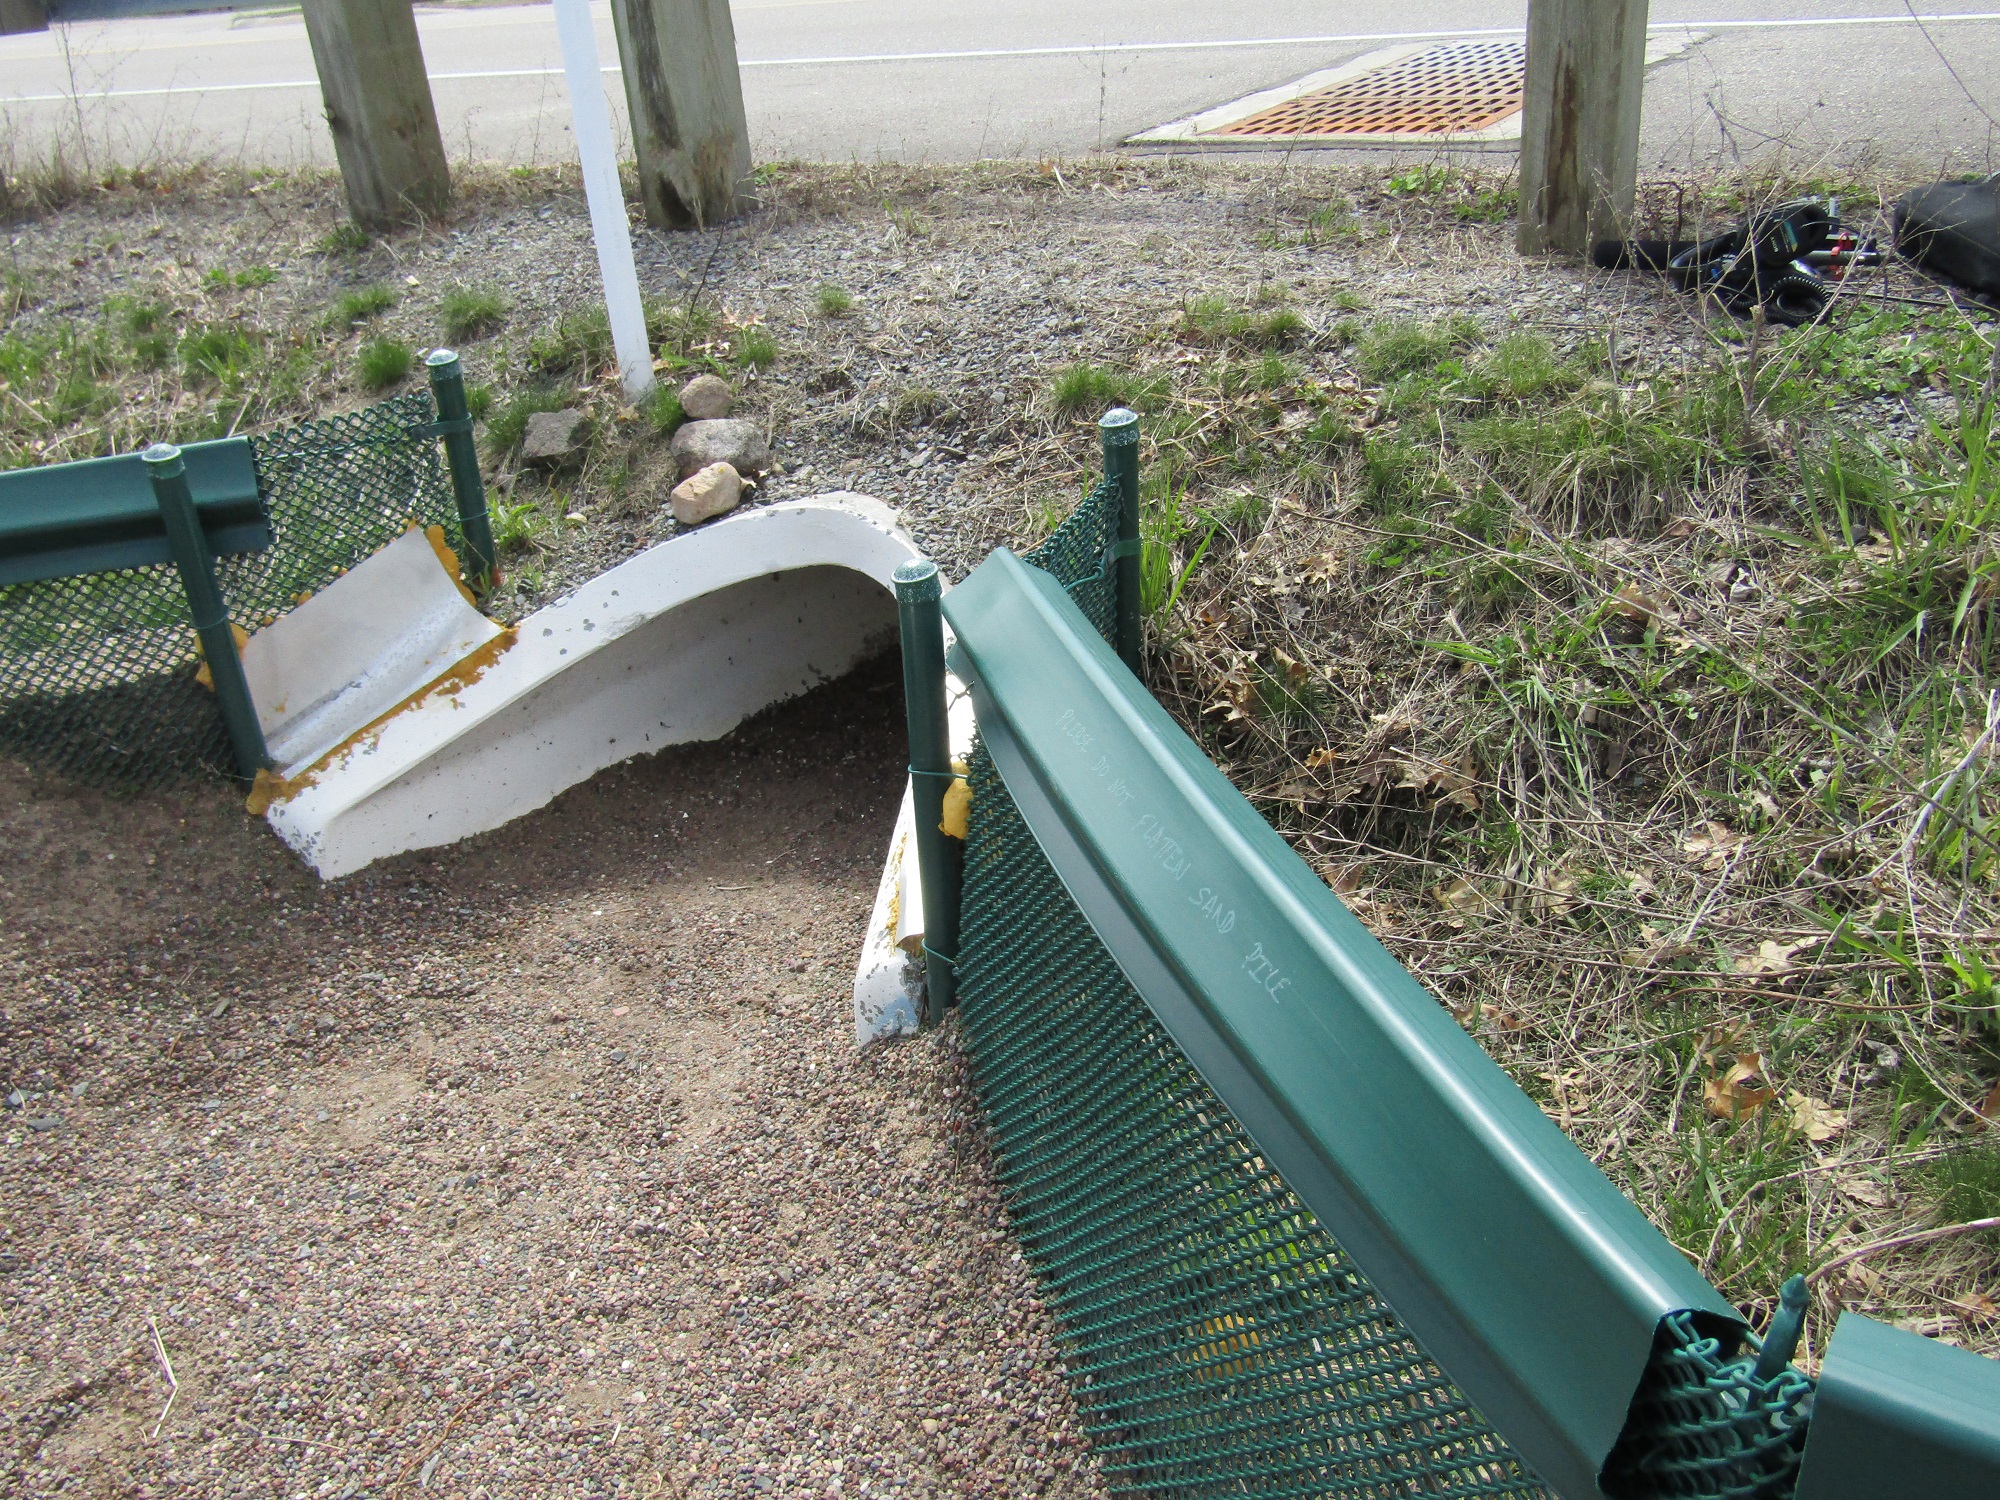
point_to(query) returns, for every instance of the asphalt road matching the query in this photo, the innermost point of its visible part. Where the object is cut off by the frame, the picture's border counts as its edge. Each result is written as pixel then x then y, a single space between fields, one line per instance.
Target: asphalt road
pixel 1838 82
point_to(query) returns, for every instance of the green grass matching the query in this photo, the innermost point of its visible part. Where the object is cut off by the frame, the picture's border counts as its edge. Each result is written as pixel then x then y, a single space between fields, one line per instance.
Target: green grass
pixel 506 427
pixel 361 304
pixel 753 348
pixel 832 301
pixel 471 312
pixel 383 362
pixel 1965 1185
pixel 663 410
pixel 1085 389
pixel 578 345
pixel 344 239
pixel 220 278
pixel 1216 321
pixel 220 353
pixel 1395 347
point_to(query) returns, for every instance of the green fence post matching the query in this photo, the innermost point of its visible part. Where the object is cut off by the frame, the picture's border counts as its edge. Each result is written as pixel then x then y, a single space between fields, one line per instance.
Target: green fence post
pixel 462 456
pixel 210 615
pixel 1119 428
pixel 939 857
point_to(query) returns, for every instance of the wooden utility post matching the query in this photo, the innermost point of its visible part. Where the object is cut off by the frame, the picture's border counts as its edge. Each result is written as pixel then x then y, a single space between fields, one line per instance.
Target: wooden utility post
pixel 378 105
pixel 17 16
pixel 686 100
pixel 1580 122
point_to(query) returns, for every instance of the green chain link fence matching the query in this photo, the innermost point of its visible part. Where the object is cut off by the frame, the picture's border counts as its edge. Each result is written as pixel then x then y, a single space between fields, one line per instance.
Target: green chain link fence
pixel 1218 1339
pixel 97 673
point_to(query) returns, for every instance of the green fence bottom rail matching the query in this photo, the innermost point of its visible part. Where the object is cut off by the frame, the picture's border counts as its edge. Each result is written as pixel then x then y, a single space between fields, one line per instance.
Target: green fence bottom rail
pixel 1264 1297
pixel 97 672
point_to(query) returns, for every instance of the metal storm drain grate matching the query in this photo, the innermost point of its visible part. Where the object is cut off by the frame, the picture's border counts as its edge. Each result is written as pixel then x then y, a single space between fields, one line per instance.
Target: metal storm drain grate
pixel 1459 88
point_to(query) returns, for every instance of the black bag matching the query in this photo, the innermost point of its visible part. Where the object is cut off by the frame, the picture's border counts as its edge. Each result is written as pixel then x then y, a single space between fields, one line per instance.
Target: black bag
pixel 1952 229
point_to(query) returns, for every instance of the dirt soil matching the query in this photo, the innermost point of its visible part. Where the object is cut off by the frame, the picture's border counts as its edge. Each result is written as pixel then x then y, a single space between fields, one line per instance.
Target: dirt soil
pixel 542 1165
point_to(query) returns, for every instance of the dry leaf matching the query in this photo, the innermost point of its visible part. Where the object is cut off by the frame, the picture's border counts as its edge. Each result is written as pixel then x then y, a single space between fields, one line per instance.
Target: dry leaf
pixel 1862 1277
pixel 1460 894
pixel 1323 567
pixel 1556 893
pixel 1989 1107
pixel 1770 958
pixel 1862 1190
pixel 1978 1305
pixel 1343 880
pixel 1634 604
pixel 1741 1091
pixel 1319 760
pixel 1640 884
pixel 1766 804
pixel 1712 848
pixel 1815 1119
pixel 1296 674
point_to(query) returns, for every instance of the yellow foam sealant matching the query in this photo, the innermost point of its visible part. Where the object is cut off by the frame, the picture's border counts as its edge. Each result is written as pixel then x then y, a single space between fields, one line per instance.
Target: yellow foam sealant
pixel 956 814
pixel 270 787
pixel 202 674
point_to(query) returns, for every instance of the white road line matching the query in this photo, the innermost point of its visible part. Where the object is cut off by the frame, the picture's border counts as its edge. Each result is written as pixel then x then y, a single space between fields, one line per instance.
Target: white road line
pixel 1093 50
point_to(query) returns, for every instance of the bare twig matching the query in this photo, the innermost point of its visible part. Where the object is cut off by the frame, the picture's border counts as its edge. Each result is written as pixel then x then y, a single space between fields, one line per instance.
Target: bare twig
pixel 173 1385
pixel 1901 1242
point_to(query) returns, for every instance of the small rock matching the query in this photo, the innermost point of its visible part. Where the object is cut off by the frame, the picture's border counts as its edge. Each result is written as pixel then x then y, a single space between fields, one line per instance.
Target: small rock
pixel 327 1023
pixel 706 397
pixel 618 1054
pixel 46 1122
pixel 16 1099
pixel 10 1262
pixel 552 435
pixel 708 493
pixel 729 440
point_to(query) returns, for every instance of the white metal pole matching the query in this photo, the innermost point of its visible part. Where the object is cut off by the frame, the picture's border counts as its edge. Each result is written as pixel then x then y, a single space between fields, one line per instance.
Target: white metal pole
pixel 605 195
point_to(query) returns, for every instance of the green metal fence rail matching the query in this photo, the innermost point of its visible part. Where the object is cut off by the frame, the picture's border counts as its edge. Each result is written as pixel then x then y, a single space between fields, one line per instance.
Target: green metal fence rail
pixel 1299 1234
pixel 98 668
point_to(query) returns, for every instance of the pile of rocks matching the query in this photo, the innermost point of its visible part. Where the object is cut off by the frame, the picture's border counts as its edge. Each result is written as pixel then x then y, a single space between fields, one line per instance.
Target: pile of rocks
pixel 715 455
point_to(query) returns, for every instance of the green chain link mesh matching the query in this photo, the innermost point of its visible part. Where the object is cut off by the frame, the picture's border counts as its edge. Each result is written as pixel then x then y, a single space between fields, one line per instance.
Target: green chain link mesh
pixel 1218 1339
pixel 1703 1424
pixel 97 674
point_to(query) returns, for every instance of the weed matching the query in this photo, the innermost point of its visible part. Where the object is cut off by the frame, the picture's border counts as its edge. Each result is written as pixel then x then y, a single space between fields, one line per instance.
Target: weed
pixel 221 353
pixel 663 410
pixel 382 362
pixel 833 301
pixel 578 345
pixel 1965 1185
pixel 1422 181
pixel 1214 321
pixel 220 278
pixel 1404 346
pixel 344 239
pixel 479 400
pixel 361 304
pixel 471 312
pixel 517 525
pixel 751 347
pixel 1086 389
pixel 506 428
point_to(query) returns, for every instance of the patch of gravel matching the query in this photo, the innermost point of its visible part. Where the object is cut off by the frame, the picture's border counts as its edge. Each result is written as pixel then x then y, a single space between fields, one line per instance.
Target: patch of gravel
pixel 540 1166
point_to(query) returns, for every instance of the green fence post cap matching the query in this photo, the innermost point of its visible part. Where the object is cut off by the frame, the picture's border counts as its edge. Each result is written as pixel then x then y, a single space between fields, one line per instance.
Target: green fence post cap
pixel 1119 425
pixel 437 359
pixel 161 454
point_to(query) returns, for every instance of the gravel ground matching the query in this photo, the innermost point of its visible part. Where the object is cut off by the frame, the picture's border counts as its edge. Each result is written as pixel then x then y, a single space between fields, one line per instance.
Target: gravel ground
pixel 541 1166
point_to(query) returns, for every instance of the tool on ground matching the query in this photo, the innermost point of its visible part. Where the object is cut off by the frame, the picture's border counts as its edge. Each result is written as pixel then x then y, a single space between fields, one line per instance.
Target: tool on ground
pixel 1785 260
